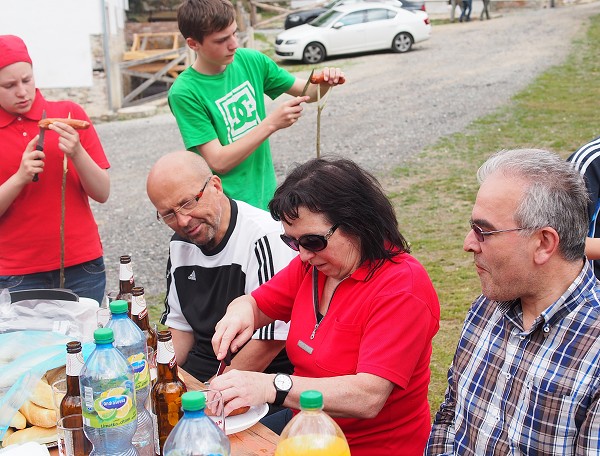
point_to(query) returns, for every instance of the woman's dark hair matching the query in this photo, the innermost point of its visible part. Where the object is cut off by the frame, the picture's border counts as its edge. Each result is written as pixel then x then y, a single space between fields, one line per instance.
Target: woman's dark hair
pixel 345 194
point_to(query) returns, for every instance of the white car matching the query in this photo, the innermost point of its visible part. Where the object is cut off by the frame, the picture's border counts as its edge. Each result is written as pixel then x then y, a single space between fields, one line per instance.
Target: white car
pixel 347 29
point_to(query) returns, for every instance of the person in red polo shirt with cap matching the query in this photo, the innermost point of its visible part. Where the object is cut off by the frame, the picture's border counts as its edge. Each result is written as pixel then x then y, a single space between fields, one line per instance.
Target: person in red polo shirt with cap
pixel 30 211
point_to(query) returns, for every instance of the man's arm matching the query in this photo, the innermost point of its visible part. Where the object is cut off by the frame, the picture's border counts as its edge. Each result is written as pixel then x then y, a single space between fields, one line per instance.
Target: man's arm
pixel 441 438
pixel 223 159
pixel 183 342
pixel 332 77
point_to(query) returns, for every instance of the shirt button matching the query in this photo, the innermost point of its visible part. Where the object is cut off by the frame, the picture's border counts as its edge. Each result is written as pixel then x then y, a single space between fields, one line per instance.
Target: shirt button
pixel 19 119
pixel 24 133
pixel 547 329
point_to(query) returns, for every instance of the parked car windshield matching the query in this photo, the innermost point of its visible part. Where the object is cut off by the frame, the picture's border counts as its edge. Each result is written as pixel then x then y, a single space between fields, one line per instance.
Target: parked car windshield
pixel 325 19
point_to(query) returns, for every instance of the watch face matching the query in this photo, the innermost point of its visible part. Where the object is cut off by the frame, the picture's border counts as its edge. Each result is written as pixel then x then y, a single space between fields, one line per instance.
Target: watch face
pixel 283 382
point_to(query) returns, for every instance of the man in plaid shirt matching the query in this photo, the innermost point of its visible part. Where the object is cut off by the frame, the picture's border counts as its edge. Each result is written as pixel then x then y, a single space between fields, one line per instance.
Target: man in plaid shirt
pixel 526 374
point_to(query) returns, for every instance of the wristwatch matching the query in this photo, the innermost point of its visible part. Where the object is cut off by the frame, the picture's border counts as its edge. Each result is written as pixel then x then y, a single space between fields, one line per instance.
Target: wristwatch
pixel 283 384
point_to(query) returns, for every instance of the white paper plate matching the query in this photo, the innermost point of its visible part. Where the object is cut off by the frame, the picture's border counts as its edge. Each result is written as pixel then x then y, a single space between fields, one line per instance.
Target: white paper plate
pixel 242 422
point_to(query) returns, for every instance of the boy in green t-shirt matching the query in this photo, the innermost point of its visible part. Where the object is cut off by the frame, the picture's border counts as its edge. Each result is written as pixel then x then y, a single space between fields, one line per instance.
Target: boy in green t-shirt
pixel 218 102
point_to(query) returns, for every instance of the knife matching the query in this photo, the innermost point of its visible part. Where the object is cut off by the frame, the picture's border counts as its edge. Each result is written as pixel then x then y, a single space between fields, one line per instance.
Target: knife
pixel 224 363
pixel 307 83
pixel 40 145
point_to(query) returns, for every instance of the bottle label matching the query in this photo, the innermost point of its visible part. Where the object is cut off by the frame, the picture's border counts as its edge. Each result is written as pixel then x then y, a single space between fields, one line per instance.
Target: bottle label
pixel 138 306
pixel 126 272
pixel 74 364
pixel 141 372
pixel 166 353
pixel 113 408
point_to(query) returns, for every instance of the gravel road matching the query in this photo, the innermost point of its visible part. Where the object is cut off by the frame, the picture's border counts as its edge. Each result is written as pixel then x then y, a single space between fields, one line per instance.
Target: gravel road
pixel 391 108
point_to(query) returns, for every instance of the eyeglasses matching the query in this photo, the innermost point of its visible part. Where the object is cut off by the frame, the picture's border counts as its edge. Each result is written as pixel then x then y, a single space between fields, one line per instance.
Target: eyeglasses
pixel 312 242
pixel 184 209
pixel 480 234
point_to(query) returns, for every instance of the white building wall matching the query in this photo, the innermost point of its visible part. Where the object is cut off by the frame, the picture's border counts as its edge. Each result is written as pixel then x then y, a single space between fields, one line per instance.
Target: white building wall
pixel 58 35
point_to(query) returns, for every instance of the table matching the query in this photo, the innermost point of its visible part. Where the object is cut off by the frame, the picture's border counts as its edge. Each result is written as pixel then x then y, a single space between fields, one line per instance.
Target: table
pixel 258 440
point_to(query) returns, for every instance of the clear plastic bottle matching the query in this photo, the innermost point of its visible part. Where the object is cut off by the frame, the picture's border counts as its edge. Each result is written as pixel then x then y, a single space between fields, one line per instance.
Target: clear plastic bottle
pixel 131 341
pixel 312 432
pixel 196 434
pixel 108 398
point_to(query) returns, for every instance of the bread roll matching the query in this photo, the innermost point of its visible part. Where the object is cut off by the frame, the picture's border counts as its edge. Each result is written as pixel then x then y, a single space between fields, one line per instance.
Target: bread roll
pixel 18 421
pixel 32 434
pixel 8 432
pixel 42 395
pixel 38 416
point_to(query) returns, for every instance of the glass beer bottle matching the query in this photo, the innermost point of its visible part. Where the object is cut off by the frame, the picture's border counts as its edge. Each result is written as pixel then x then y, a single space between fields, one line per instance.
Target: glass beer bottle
pixel 166 392
pixel 126 281
pixel 139 315
pixel 71 402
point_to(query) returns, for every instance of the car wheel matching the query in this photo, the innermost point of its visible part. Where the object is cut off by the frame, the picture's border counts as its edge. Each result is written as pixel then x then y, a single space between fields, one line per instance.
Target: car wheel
pixel 402 42
pixel 313 53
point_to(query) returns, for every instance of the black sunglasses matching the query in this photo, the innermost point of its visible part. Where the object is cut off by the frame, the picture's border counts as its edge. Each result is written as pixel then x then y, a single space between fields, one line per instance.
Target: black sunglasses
pixel 312 242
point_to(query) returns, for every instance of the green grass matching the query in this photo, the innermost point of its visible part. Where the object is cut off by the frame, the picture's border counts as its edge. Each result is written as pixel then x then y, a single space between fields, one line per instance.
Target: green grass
pixel 434 192
pixel 558 112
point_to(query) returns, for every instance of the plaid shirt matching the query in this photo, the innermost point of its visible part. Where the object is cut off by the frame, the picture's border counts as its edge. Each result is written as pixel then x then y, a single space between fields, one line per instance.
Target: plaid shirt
pixel 517 392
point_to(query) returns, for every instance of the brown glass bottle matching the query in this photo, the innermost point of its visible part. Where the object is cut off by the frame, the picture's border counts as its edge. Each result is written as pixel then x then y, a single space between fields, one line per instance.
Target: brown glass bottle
pixel 71 402
pixel 166 392
pixel 139 315
pixel 126 280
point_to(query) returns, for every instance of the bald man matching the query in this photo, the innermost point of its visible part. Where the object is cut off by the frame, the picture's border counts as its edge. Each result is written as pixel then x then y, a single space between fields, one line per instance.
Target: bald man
pixel 221 249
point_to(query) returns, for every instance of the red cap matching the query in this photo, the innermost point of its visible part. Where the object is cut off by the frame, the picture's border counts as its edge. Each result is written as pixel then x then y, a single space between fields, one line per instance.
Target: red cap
pixel 12 50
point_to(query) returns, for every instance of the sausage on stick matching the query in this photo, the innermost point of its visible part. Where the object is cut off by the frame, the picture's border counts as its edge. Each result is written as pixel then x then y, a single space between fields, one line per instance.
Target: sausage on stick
pixel 75 123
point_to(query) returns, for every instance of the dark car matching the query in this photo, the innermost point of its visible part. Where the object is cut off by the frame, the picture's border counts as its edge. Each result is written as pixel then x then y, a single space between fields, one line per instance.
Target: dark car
pixel 305 16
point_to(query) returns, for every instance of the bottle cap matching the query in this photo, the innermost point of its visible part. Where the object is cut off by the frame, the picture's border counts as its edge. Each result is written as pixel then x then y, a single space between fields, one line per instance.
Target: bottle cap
pixel 311 399
pixel 193 401
pixel 119 306
pixel 73 346
pixel 104 335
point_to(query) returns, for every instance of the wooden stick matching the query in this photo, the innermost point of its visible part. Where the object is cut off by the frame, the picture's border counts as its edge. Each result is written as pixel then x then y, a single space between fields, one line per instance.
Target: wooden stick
pixel 62 220
pixel 319 109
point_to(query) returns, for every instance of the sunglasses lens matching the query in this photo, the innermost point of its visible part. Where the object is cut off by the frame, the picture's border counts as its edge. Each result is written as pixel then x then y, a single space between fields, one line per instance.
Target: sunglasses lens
pixel 290 242
pixel 313 242
pixel 478 234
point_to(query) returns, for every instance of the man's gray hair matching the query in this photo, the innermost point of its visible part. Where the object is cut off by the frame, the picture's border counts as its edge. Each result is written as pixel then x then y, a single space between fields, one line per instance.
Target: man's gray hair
pixel 556 195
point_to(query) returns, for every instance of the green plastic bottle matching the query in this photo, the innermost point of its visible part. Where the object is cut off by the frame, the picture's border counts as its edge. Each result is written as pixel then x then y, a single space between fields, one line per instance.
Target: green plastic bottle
pixel 312 432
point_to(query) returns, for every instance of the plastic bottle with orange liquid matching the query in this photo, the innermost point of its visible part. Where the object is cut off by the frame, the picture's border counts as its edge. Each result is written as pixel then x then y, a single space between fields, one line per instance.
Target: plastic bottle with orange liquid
pixel 312 432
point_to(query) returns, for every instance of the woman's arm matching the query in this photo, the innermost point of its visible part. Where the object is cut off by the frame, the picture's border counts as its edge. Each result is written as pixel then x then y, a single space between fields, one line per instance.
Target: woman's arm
pixel 94 180
pixel 352 396
pixel 30 165
pixel 592 248
pixel 237 325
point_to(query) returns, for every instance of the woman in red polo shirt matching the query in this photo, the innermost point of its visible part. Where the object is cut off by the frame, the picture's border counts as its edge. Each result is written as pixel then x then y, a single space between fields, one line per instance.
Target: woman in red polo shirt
pixel 30 212
pixel 362 313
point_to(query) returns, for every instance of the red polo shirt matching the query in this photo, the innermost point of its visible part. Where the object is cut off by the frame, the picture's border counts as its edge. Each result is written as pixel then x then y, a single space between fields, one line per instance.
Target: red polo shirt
pixel 30 228
pixel 382 326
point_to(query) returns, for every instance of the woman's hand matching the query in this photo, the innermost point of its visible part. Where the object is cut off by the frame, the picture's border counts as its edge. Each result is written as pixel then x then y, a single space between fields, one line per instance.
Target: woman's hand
pixel 236 327
pixel 244 388
pixel 32 162
pixel 68 139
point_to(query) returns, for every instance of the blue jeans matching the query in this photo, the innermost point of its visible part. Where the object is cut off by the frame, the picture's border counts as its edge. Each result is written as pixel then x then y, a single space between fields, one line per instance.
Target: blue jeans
pixel 466 12
pixel 86 280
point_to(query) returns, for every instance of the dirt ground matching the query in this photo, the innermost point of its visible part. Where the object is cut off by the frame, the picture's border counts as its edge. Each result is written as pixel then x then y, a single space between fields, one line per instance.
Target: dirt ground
pixel 392 106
